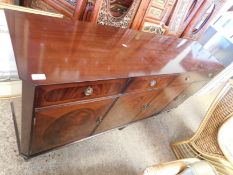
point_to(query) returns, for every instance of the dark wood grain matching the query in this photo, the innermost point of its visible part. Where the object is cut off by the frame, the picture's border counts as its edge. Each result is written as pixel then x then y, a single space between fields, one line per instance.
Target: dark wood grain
pixel 67 52
pixel 58 60
pixel 126 109
pixel 165 97
pixel 149 82
pixel 28 91
pixel 140 14
pixel 63 93
pixel 58 126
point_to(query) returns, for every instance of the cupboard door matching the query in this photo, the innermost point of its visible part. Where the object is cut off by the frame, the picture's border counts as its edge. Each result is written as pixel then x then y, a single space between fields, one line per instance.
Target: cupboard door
pixel 126 109
pixel 56 126
pixel 156 17
pixel 166 96
pixel 200 22
pixel 183 13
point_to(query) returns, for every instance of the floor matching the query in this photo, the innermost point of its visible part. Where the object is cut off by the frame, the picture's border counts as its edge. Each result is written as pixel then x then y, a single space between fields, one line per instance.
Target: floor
pixel 116 152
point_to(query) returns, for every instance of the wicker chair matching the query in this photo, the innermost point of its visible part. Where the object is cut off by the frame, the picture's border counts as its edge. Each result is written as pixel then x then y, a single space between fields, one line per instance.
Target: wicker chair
pixel 203 144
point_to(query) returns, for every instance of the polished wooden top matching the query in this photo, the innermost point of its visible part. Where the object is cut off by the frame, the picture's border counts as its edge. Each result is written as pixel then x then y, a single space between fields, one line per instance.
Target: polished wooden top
pixel 50 50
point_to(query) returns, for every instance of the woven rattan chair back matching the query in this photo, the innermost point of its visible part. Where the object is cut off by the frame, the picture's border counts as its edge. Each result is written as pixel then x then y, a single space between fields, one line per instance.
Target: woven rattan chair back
pixel 204 143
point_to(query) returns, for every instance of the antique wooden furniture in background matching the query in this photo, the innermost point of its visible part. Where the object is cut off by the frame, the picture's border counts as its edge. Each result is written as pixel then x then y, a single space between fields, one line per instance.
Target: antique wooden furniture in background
pixel 203 144
pixel 80 79
pixel 180 18
pixel 154 16
pixel 72 9
pixel 202 18
pixel 117 13
pixel 183 13
pixel 7 1
pixel 28 10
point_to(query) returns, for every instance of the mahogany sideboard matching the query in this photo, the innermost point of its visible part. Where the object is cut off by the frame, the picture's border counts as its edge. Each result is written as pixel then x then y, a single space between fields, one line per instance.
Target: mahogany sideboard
pixel 80 79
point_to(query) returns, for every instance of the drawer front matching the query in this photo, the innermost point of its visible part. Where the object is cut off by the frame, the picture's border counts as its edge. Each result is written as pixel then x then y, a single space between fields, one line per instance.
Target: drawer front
pixel 63 93
pixel 191 77
pixel 57 126
pixel 151 82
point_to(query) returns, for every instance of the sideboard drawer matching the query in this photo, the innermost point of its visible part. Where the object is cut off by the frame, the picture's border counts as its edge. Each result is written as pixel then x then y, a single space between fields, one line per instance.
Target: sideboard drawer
pixel 191 77
pixel 63 93
pixel 150 82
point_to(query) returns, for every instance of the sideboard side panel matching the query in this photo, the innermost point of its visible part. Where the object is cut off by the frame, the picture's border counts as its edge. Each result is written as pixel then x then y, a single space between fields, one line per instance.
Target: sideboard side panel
pixel 28 90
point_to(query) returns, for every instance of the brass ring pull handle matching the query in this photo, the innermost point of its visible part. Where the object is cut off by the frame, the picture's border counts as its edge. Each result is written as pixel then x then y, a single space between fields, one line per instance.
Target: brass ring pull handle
pixel 153 83
pixel 88 91
pixel 204 20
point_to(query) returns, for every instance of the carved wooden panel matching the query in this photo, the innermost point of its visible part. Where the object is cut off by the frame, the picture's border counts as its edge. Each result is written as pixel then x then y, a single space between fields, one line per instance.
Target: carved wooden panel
pixel 106 18
pixel 157 15
pixel 152 27
pixel 160 3
pixel 60 125
pixel 154 12
pixel 41 5
pixel 63 93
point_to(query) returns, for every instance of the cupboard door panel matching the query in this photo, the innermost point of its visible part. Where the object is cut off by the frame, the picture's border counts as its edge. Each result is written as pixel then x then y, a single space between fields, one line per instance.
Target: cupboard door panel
pixel 157 16
pixel 61 125
pixel 163 99
pixel 60 6
pixel 183 14
pixel 200 22
pixel 126 109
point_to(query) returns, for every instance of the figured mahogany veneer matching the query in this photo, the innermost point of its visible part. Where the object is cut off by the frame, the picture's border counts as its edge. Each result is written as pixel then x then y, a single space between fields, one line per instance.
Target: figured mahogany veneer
pixel 60 125
pixel 126 109
pixel 63 93
pixel 80 79
pixel 149 82
pixel 67 52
